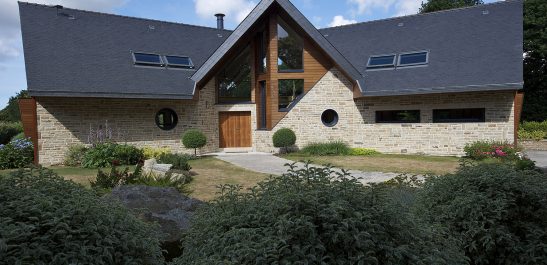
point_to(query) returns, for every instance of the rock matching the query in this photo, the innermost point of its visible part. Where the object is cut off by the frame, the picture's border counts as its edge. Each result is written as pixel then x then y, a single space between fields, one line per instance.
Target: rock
pixel 166 206
pixel 152 166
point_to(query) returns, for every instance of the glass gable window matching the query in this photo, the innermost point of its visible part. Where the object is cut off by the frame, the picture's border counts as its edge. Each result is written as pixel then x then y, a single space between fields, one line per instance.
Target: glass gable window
pixel 261 52
pixel 459 115
pixel 149 59
pixel 179 61
pixel 234 80
pixel 290 53
pixel 381 61
pixel 416 58
pixel 290 90
pixel 398 116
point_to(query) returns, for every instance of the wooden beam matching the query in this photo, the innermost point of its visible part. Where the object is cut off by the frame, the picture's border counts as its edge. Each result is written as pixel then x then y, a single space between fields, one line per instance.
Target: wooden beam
pixel 29 118
pixel 519 101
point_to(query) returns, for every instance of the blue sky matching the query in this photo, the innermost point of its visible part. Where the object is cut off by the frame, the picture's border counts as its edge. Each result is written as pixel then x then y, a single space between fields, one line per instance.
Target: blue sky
pixel 322 13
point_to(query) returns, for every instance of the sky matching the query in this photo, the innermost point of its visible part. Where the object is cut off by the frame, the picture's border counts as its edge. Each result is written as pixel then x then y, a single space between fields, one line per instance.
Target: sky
pixel 322 13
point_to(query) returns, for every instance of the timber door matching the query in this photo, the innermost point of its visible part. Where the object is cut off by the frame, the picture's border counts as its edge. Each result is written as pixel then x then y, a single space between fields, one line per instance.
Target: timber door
pixel 235 129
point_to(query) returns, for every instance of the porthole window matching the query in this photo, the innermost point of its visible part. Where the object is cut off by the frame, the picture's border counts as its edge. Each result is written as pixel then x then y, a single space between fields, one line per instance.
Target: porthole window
pixel 166 119
pixel 329 117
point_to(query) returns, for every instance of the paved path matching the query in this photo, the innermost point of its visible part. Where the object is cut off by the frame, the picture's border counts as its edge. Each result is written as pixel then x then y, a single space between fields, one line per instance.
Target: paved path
pixel 270 164
pixel 540 157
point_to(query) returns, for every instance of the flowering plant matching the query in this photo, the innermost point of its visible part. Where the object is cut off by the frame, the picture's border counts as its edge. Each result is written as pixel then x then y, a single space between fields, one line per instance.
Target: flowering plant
pixel 481 150
pixel 16 154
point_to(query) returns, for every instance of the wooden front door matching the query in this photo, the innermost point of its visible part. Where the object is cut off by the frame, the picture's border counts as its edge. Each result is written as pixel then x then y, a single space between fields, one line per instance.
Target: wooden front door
pixel 235 129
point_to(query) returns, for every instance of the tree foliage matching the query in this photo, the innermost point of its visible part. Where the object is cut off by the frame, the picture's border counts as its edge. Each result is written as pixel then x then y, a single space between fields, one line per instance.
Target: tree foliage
pixel 437 5
pixel 11 111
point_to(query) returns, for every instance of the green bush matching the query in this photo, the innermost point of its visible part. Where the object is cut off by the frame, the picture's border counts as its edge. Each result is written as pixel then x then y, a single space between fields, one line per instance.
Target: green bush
pixel 533 130
pixel 8 130
pixel 75 155
pixel 16 154
pixel 195 139
pixel 151 152
pixel 48 220
pixel 179 161
pixel 312 216
pixel 327 149
pixel 480 150
pixel 107 154
pixel 497 212
pixel 534 126
pixel 179 182
pixel 105 182
pixel 18 136
pixel 363 152
pixel 284 138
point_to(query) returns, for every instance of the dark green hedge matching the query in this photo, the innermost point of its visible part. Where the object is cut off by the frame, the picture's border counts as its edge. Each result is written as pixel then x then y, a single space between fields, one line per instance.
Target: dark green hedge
pixel 47 220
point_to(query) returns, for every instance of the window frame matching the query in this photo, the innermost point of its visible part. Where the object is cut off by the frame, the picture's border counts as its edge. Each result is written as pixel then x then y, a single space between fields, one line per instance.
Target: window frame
pixel 382 66
pixel 334 122
pixel 173 125
pixel 411 53
pixel 178 66
pixel 284 25
pixel 222 100
pixel 377 112
pixel 295 100
pixel 141 63
pixel 482 119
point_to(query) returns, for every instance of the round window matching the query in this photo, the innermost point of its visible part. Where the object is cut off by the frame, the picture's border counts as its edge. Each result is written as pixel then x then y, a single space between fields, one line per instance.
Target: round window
pixel 329 117
pixel 166 119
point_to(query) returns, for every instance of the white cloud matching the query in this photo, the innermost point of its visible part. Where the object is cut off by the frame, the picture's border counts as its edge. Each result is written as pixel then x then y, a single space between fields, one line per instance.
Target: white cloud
pixel 400 7
pixel 235 10
pixel 10 33
pixel 340 20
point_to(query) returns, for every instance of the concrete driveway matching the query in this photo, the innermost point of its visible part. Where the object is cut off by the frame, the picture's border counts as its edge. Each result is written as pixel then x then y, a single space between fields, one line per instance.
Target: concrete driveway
pixel 540 157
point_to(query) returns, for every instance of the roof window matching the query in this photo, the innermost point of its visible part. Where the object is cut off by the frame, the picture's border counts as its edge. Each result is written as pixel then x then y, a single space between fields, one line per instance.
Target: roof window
pixel 413 58
pixel 381 61
pixel 148 59
pixel 179 61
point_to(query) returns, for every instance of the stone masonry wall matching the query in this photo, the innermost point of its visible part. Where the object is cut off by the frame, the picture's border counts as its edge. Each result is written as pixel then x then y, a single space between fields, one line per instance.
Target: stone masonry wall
pixel 357 125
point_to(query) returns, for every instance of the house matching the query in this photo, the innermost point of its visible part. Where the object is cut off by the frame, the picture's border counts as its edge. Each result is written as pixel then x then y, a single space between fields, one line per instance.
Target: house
pixel 426 83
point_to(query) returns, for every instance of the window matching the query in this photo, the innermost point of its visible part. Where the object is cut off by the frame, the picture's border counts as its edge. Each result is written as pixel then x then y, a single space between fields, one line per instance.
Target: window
pixel 458 115
pixel 290 91
pixel 148 59
pixel 398 116
pixel 179 61
pixel 416 58
pixel 261 52
pixel 166 119
pixel 381 61
pixel 234 80
pixel 329 117
pixel 290 51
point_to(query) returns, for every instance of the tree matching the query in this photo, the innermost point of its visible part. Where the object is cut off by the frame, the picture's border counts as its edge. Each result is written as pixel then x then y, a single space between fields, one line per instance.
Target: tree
pixel 535 60
pixel 11 111
pixel 437 5
pixel 194 138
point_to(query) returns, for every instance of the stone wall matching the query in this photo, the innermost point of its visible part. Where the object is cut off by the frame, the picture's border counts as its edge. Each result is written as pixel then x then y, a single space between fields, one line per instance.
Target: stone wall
pixel 357 125
pixel 66 121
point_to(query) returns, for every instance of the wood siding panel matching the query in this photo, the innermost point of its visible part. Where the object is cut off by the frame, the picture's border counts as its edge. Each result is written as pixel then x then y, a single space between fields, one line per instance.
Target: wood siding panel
pixel 27 109
pixel 235 129
pixel 519 101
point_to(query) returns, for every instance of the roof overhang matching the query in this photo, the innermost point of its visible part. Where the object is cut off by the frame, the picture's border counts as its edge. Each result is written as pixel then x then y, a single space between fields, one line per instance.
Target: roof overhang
pixel 437 90
pixel 107 95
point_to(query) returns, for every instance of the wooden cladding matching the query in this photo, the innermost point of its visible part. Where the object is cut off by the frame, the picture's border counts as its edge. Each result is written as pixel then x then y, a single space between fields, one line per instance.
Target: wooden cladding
pixel 27 108
pixel 519 101
pixel 235 129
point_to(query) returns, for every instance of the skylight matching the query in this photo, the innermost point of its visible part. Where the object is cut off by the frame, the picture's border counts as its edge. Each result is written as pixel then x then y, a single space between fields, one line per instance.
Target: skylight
pixel 381 61
pixel 179 61
pixel 149 59
pixel 414 58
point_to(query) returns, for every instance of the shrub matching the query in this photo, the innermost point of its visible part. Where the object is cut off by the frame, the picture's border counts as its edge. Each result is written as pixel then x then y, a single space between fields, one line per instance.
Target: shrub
pixel 174 178
pixel 8 130
pixel 499 213
pixel 531 135
pixel 107 154
pixel 284 138
pixel 480 150
pixel 534 126
pixel 75 155
pixel 313 216
pixel 533 130
pixel 19 136
pixel 107 181
pixel 363 152
pixel 49 220
pixel 194 138
pixel 327 149
pixel 179 161
pixel 150 152
pixel 16 154
pixel 128 154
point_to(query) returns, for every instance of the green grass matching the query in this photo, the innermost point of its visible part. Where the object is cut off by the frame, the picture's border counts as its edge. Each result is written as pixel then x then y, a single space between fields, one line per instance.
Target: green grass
pixel 413 164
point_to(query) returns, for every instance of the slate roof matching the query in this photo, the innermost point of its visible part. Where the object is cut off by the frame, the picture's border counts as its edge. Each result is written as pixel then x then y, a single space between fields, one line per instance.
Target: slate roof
pixel 90 55
pixel 468 50
pixel 306 25
pixel 471 49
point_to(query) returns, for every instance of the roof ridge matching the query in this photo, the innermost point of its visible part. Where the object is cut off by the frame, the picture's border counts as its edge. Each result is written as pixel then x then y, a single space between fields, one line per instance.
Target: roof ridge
pixel 425 14
pixel 123 16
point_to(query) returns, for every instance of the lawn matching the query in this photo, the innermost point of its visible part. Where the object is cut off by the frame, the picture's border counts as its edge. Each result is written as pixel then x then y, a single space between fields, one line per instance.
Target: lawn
pixel 208 173
pixel 414 164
